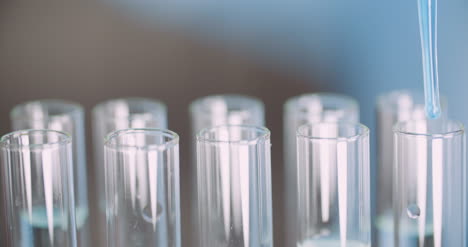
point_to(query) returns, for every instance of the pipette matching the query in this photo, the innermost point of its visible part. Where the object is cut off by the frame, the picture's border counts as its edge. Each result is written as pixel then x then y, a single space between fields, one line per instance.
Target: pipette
pixel 427 10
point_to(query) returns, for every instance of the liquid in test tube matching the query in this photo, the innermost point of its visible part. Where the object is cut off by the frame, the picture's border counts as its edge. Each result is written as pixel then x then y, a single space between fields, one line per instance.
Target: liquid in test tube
pixel 234 186
pixel 68 117
pixel 392 107
pixel 333 185
pixel 299 110
pixel 429 184
pixel 37 177
pixel 212 111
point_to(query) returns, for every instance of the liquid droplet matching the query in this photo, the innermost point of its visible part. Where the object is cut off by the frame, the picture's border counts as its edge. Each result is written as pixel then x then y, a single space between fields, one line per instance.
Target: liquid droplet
pixel 413 211
pixel 147 215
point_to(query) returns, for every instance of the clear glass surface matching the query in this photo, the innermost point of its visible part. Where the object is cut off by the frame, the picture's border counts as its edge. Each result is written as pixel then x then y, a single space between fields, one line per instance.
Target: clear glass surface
pixel 429 184
pixel 304 109
pixel 392 107
pixel 68 117
pixel 234 187
pixel 37 177
pixel 211 111
pixel 142 188
pixel 118 114
pixel 232 109
pixel 333 188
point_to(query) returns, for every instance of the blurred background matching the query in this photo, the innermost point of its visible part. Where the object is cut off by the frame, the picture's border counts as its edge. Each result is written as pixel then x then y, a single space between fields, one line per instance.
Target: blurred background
pixel 178 50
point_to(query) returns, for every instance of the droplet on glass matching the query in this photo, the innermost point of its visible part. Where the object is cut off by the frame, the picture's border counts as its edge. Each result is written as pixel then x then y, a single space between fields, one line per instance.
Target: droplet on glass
pixel 148 215
pixel 413 211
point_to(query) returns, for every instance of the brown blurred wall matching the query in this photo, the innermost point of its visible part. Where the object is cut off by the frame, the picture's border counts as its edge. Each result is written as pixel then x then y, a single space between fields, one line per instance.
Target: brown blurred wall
pixel 88 52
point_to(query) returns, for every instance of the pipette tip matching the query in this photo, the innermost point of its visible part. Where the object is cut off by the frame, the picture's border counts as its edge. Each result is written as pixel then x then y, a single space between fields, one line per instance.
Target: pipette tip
pixel 433 112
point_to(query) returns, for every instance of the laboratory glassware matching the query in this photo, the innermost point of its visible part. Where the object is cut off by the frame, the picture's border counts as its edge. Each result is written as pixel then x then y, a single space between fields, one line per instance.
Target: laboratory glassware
pixel 211 111
pixel 429 184
pixel 299 110
pixel 392 107
pixel 231 109
pixel 142 188
pixel 427 12
pixel 37 177
pixel 234 186
pixel 117 114
pixel 333 185
pixel 67 117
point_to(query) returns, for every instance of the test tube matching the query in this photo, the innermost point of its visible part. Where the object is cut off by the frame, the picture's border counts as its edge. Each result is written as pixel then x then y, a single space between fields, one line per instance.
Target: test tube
pixel 304 109
pixel 333 193
pixel 37 177
pixel 392 107
pixel 68 117
pixel 118 114
pixel 142 188
pixel 234 186
pixel 231 109
pixel 429 184
pixel 215 110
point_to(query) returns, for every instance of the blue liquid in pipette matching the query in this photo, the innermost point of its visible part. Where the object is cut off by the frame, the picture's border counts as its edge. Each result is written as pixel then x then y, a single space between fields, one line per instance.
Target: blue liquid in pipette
pixel 428 30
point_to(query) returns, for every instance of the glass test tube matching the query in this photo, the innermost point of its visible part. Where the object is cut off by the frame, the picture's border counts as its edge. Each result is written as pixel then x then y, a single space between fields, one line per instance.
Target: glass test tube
pixel 234 186
pixel 114 115
pixel 37 177
pixel 67 117
pixel 232 109
pixel 215 110
pixel 142 188
pixel 429 184
pixel 299 110
pixel 392 107
pixel 333 179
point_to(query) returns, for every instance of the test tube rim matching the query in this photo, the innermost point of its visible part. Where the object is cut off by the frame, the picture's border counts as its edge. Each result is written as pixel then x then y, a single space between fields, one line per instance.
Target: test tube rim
pixel 364 131
pixel 291 103
pixel 196 105
pixel 387 100
pixel 100 107
pixel 265 135
pixel 390 95
pixel 65 139
pixel 174 141
pixel 460 130
pixel 73 108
